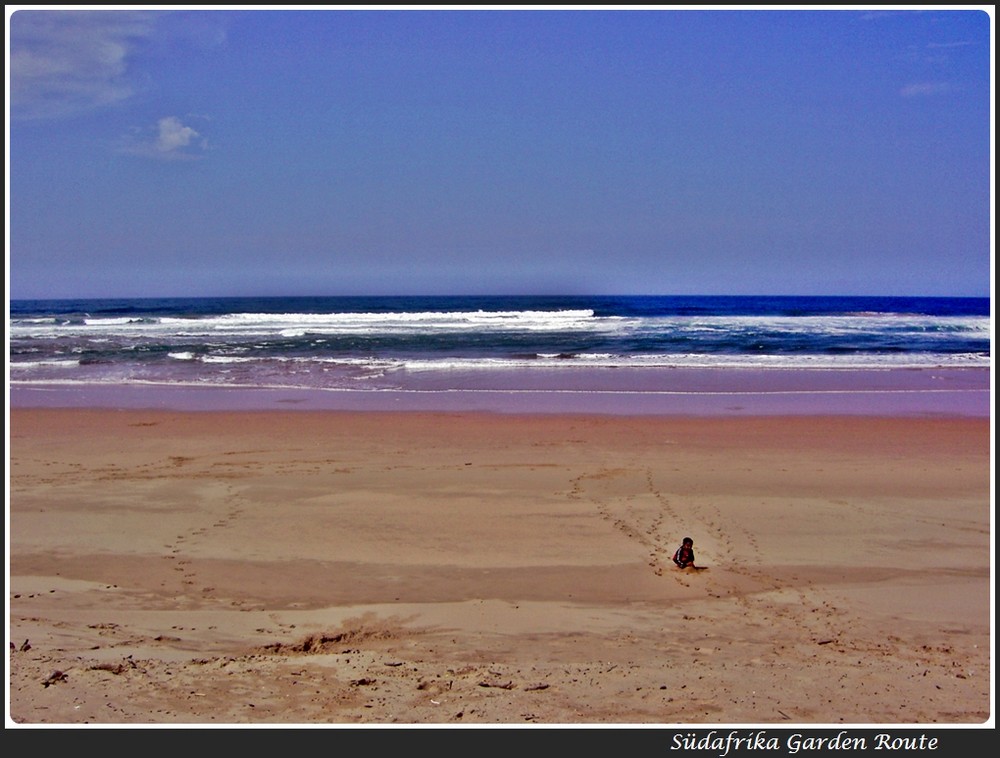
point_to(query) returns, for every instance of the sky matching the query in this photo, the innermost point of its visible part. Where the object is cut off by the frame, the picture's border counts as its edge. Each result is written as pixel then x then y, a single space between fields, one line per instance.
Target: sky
pixel 227 151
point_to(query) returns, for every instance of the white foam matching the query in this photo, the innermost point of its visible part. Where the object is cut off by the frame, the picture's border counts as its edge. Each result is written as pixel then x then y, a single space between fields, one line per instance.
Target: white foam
pixel 701 360
pixel 293 325
pixel 29 365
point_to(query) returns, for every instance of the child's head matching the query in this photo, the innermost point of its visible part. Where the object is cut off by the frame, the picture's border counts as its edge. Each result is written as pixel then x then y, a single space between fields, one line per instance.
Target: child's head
pixel 688 541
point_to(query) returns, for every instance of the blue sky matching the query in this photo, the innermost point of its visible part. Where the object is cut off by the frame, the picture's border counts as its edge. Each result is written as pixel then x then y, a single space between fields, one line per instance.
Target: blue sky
pixel 438 151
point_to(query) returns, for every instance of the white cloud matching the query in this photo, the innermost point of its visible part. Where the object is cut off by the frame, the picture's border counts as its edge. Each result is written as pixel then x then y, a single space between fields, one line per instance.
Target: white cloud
pixel 170 139
pixel 925 89
pixel 64 62
pixel 939 45
pixel 174 135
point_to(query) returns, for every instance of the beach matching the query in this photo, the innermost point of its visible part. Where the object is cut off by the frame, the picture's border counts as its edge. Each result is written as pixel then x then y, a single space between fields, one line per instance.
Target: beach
pixel 372 371
pixel 342 567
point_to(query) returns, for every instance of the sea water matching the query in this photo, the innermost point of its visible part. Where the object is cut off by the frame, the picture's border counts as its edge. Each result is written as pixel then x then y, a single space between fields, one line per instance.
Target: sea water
pixel 531 353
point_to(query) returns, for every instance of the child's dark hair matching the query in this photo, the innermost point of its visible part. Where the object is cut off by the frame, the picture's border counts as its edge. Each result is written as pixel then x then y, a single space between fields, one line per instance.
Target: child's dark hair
pixel 688 541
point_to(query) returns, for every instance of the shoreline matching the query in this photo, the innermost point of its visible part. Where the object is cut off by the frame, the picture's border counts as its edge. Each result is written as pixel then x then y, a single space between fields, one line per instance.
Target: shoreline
pixel 699 392
pixel 324 568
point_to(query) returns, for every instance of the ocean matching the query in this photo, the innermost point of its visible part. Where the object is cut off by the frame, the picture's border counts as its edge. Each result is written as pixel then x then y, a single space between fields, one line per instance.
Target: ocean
pixel 427 352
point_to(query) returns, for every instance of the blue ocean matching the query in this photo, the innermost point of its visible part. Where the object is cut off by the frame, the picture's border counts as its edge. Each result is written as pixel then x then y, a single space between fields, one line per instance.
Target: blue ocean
pixel 495 343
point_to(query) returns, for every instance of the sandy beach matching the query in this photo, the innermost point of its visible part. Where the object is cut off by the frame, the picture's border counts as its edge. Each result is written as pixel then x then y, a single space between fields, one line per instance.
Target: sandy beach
pixel 347 568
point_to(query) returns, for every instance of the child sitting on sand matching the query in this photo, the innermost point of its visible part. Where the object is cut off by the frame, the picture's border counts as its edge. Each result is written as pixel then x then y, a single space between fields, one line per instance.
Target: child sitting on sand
pixel 684 556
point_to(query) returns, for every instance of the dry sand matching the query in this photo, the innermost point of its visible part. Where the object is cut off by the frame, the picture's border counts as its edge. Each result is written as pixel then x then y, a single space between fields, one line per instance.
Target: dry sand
pixel 408 568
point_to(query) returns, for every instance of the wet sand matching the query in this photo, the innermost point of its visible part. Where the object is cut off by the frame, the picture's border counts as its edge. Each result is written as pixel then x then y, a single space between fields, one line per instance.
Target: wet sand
pixel 623 391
